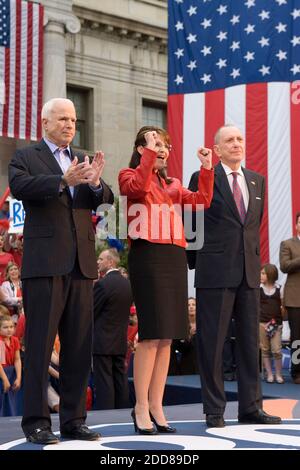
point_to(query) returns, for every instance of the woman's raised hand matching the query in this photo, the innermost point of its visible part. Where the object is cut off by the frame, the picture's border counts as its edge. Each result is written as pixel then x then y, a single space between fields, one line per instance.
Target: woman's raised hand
pixel 205 156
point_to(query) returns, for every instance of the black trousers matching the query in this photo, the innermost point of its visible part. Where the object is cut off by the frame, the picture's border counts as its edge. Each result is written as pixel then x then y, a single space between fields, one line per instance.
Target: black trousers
pixel 63 305
pixel 111 382
pixel 215 308
pixel 229 350
pixel 294 322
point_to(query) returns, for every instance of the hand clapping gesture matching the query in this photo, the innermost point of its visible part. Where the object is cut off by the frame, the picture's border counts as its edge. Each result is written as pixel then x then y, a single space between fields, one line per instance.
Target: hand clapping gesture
pixel 85 172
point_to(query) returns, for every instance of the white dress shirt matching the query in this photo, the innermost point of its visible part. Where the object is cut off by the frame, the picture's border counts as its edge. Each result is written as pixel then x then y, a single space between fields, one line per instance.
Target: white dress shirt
pixel 241 181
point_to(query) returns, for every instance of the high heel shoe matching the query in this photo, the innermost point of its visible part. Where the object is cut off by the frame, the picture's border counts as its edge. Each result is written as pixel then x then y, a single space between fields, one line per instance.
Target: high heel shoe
pixel 162 429
pixel 145 431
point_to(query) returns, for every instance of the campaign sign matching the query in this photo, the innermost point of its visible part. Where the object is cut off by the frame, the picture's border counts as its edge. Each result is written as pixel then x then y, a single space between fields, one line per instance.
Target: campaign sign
pixel 17 216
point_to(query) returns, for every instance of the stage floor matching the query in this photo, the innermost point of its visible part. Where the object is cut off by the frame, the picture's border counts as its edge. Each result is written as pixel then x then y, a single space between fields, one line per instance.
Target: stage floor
pixel 118 432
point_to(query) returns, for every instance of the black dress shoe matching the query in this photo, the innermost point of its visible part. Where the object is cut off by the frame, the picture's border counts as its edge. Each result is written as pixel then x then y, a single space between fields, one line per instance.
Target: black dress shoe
pixel 259 417
pixel 42 437
pixel 162 429
pixel 144 431
pixel 215 421
pixel 80 432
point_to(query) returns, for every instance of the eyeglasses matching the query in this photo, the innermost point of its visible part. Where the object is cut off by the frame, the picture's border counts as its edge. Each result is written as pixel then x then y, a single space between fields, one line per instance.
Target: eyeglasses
pixel 161 146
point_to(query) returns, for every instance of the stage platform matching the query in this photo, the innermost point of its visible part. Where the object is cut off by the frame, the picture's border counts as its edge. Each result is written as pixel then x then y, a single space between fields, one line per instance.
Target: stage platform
pixel 192 435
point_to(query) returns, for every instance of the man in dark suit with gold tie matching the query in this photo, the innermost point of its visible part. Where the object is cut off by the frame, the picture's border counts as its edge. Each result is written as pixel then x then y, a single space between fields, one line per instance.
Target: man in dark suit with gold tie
pixel 58 191
pixel 227 277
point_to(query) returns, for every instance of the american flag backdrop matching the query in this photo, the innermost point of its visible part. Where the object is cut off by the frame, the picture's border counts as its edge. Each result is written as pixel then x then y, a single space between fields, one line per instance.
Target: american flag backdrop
pixel 21 69
pixel 238 62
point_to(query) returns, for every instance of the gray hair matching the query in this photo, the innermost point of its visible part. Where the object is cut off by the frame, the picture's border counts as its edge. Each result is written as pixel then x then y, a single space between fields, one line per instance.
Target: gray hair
pixel 113 255
pixel 50 105
pixel 218 133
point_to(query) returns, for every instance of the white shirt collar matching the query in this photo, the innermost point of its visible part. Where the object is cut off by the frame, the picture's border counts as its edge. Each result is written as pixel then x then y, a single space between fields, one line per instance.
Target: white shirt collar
pixel 110 270
pixel 229 171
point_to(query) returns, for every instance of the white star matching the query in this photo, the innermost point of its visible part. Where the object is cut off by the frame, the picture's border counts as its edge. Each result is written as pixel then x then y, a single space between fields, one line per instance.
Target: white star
pixel 281 2
pixel 250 3
pixel 178 80
pixel 206 23
pixel 295 69
pixel 264 41
pixel 249 56
pixel 235 45
pixel 192 10
pixel 295 13
pixel 265 15
pixel 295 41
pixel 206 78
pixel 264 70
pixel 235 19
pixel 179 26
pixel 281 28
pixel 192 38
pixel 221 63
pixel 235 73
pixel 192 65
pixel 281 55
pixel 179 1
pixel 222 35
pixel 206 50
pixel 179 53
pixel 222 9
pixel 250 28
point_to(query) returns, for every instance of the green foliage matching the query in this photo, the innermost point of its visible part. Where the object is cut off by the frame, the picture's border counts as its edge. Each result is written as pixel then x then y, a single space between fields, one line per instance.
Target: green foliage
pixel 104 245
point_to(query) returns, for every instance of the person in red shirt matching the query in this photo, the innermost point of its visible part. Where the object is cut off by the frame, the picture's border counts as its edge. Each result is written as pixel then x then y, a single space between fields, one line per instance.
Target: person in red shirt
pixel 14 246
pixel 5 258
pixel 131 334
pixel 10 367
pixel 157 264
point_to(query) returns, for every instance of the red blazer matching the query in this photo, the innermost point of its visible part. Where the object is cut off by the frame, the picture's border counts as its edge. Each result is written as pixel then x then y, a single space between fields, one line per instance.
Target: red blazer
pixel 154 208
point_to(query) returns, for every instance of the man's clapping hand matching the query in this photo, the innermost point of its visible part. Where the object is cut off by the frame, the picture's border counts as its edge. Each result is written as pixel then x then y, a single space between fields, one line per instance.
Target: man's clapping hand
pixel 85 172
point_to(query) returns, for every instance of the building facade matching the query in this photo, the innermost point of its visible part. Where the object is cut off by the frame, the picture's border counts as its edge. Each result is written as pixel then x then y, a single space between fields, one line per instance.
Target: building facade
pixel 110 58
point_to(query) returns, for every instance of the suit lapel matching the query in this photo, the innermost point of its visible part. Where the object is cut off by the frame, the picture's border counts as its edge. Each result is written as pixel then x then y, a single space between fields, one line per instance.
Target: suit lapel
pixel 251 183
pixel 48 158
pixel 222 184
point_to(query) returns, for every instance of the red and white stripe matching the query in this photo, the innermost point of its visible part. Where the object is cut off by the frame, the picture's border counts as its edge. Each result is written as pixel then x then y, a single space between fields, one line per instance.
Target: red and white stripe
pixel 21 66
pixel 270 122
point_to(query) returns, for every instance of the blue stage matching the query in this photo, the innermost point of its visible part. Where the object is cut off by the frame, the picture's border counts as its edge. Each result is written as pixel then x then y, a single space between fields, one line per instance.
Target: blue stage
pixel 118 432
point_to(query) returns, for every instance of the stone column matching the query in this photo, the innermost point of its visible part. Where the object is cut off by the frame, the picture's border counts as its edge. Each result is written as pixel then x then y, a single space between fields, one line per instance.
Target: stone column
pixel 58 20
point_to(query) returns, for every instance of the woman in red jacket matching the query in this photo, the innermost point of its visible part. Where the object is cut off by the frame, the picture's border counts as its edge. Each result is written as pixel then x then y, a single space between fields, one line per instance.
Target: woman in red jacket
pixel 157 265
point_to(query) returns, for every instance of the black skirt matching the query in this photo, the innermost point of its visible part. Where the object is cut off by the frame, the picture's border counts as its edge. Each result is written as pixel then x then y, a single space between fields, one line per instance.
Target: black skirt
pixel 158 275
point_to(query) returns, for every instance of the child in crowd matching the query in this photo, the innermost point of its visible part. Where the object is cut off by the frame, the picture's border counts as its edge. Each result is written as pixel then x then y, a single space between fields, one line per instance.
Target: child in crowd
pixel 10 367
pixel 270 322
pixel 12 290
pixel 132 333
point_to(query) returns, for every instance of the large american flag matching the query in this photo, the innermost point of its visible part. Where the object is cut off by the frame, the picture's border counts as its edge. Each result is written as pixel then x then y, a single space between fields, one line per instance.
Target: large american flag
pixel 238 62
pixel 21 69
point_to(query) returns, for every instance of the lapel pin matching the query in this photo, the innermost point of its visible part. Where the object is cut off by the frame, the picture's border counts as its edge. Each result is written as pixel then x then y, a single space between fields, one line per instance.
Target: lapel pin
pixel 253 182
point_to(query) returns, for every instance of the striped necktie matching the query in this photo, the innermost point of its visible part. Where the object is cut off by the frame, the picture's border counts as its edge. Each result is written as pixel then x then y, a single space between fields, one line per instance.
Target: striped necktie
pixel 65 162
pixel 238 197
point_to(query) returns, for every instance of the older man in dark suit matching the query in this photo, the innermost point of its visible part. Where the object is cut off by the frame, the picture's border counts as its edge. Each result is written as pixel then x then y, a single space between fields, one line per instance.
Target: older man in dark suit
pixel 227 281
pixel 112 301
pixel 58 190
